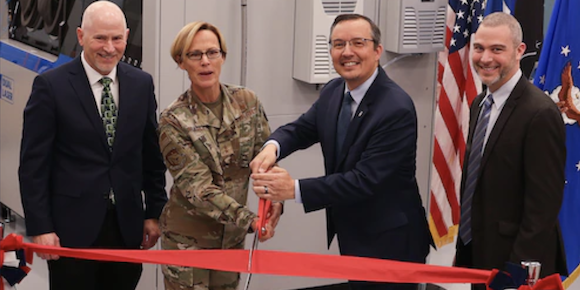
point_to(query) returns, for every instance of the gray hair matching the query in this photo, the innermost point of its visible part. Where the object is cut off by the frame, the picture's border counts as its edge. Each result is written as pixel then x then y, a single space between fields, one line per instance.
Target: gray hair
pixel 499 19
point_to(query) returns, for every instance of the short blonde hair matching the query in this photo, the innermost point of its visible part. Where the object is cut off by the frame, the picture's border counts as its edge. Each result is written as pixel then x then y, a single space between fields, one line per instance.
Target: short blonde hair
pixel 185 37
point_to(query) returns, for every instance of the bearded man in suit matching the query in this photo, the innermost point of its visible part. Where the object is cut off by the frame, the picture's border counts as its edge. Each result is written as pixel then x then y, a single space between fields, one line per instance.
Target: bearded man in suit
pixel 513 173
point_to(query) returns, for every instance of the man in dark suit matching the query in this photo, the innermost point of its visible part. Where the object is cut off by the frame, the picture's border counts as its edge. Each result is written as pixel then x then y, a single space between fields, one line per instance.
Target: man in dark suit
pixel 89 149
pixel 367 127
pixel 513 173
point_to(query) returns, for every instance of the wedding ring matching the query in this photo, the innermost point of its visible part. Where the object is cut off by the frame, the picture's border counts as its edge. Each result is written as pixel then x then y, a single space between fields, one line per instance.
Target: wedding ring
pixel 265 189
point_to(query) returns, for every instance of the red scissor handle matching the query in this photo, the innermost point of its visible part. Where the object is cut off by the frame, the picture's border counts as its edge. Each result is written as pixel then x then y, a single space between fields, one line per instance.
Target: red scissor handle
pixel 263 210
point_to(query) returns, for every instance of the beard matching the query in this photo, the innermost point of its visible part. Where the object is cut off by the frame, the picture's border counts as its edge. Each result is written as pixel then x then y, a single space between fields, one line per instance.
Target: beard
pixel 503 73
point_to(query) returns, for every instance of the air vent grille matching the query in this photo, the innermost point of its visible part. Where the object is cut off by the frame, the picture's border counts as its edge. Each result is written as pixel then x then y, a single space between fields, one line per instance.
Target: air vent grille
pixel 337 7
pixel 322 63
pixel 423 27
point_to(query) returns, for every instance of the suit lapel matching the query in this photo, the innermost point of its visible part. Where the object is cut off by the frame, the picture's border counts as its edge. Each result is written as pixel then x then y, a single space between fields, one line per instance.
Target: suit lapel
pixel 502 119
pixel 333 110
pixel 80 84
pixel 361 111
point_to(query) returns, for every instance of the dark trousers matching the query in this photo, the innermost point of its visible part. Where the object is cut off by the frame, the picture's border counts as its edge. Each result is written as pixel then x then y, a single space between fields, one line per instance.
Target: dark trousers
pixel 74 274
pixel 412 245
pixel 464 258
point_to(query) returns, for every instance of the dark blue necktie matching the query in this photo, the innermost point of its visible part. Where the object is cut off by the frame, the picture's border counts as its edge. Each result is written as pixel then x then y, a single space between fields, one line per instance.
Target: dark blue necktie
pixel 343 122
pixel 474 160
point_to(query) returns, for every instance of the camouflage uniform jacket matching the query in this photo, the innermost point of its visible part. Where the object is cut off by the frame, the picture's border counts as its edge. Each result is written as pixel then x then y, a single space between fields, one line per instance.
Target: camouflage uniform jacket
pixel 209 162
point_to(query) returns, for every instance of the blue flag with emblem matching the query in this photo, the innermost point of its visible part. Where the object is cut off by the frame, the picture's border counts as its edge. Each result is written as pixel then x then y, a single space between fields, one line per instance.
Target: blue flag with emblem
pixel 558 75
pixel 507 6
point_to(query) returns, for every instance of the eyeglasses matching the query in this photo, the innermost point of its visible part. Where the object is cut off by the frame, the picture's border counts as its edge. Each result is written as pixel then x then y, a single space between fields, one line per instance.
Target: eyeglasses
pixel 355 42
pixel 211 54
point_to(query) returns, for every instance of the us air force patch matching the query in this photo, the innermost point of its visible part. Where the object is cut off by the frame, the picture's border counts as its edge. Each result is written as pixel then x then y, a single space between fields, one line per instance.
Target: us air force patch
pixel 175 159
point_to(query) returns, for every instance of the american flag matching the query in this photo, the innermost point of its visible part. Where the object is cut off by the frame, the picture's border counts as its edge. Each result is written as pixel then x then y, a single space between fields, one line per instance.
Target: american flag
pixel 457 86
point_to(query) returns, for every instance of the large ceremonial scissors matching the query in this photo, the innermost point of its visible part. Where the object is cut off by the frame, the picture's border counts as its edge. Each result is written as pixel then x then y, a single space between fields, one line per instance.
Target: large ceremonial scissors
pixel 263 209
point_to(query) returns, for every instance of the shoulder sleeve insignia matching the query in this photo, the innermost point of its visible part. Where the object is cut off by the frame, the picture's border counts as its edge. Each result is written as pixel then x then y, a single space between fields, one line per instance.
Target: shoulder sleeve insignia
pixel 175 160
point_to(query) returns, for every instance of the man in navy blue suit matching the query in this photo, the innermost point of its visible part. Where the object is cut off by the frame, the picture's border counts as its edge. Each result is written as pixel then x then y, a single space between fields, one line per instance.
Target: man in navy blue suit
pixel 89 149
pixel 367 127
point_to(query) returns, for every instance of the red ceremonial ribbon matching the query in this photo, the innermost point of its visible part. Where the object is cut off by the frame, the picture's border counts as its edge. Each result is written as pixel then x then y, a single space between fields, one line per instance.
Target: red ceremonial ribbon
pixel 280 263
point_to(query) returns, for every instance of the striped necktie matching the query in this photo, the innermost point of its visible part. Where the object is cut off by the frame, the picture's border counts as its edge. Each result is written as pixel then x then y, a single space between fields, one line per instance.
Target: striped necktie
pixel 474 160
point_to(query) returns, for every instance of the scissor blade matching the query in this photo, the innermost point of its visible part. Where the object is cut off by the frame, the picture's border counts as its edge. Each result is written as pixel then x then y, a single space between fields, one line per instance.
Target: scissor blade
pixel 247 285
pixel 254 246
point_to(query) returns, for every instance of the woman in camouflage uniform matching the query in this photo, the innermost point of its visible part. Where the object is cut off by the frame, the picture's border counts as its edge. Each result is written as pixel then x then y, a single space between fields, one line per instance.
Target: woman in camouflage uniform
pixel 208 137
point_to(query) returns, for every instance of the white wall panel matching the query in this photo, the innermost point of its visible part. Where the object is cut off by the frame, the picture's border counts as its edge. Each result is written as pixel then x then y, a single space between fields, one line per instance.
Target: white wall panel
pixel 270 59
pixel 170 79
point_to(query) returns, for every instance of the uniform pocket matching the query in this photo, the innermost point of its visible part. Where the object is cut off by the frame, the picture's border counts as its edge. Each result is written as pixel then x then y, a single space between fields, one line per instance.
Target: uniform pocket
pixel 246 151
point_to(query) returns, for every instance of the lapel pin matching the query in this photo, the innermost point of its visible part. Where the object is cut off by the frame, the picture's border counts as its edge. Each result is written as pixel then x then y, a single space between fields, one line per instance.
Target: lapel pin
pixel 360 113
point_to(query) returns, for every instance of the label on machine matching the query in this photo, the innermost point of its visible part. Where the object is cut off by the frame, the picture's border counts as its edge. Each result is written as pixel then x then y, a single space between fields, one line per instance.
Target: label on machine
pixel 6 89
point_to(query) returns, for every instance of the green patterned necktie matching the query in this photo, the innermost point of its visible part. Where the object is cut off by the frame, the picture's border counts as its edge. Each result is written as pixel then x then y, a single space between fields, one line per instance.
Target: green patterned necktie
pixel 108 111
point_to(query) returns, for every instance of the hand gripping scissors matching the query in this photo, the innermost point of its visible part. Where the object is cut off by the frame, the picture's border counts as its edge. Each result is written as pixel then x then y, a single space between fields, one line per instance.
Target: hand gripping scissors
pixel 263 209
